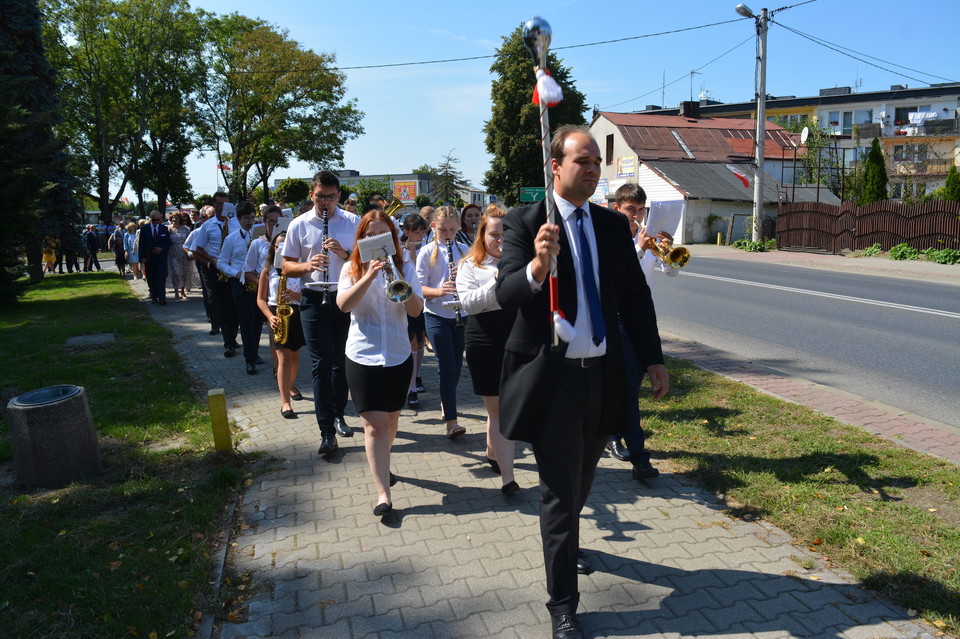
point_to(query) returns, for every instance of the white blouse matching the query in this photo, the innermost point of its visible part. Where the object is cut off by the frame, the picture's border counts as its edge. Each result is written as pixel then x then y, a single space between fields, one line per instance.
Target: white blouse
pixel 378 327
pixel 476 285
pixel 434 276
pixel 293 284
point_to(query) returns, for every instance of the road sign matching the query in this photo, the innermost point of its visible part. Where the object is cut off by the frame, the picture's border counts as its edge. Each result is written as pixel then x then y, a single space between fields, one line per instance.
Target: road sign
pixel 531 193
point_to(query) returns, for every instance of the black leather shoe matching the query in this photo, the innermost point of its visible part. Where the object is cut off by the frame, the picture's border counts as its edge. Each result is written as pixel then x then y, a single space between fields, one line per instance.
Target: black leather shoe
pixel 644 471
pixel 566 627
pixel 294 392
pixel 583 566
pixel 413 401
pixel 328 444
pixel 230 351
pixel 382 509
pixel 617 449
pixel 258 361
pixel 494 466
pixel 510 488
pixel 251 368
pixel 342 429
pixel 288 414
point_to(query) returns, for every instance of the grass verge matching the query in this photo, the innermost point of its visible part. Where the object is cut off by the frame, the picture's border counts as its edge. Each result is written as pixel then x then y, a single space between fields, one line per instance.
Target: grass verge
pixel 887 514
pixel 127 553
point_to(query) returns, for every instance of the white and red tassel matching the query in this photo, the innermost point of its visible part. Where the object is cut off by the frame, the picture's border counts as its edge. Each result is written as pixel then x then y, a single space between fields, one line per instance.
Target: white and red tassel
pixel 548 88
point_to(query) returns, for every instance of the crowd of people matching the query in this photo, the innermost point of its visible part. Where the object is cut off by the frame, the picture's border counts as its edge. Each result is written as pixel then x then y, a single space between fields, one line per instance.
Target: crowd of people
pixel 366 293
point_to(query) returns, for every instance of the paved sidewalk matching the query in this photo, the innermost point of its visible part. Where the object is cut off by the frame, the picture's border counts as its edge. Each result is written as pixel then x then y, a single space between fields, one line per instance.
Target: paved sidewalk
pixel 460 560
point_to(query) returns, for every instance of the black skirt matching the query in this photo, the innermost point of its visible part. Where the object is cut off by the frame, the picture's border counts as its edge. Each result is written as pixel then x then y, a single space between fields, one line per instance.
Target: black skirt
pixel 380 388
pixel 417 327
pixel 485 338
pixel 295 339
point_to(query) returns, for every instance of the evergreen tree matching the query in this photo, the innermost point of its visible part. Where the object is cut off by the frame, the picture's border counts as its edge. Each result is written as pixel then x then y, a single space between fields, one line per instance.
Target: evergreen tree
pixel 36 188
pixel 513 131
pixel 874 176
pixel 951 190
pixel 449 181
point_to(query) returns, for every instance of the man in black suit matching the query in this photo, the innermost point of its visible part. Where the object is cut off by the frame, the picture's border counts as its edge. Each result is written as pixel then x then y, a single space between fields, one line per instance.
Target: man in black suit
pixel 154 246
pixel 566 401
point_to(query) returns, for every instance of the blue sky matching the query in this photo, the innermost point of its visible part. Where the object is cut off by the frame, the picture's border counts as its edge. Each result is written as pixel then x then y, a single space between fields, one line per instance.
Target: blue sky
pixel 417 114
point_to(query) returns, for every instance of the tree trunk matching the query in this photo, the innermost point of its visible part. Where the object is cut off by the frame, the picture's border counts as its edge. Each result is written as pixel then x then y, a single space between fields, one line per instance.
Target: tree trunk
pixel 34 259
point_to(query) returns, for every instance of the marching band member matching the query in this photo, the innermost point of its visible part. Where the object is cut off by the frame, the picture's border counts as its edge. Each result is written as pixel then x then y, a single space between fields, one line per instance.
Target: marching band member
pixel 437 272
pixel 414 229
pixel 230 263
pixel 287 353
pixel 378 363
pixel 487 330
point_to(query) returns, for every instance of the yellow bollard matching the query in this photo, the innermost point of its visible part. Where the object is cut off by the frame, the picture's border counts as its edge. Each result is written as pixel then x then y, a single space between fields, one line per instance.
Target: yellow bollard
pixel 217 401
pixel 719 239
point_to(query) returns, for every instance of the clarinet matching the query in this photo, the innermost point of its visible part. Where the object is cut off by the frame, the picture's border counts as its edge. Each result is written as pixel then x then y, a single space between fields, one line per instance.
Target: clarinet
pixel 326 270
pixel 456 298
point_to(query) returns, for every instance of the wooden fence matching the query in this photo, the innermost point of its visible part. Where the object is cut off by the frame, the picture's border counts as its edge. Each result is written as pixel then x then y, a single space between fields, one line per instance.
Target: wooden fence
pixel 823 227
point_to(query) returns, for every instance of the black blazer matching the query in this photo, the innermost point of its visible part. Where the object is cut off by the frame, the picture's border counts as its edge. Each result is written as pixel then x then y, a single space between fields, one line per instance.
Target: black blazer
pixel 147 243
pixel 530 363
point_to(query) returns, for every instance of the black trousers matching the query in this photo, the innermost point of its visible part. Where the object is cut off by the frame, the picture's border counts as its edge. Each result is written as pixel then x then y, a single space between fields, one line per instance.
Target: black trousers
pixel 567 455
pixel 325 329
pixel 223 313
pixel 247 311
pixel 156 276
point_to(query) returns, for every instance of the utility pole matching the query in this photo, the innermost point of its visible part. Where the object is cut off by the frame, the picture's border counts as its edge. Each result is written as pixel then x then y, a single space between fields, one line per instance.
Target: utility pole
pixel 761 21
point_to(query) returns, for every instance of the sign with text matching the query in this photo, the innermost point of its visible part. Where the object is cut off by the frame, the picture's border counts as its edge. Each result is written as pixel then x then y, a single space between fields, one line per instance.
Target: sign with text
pixel 627 166
pixel 405 190
pixel 532 193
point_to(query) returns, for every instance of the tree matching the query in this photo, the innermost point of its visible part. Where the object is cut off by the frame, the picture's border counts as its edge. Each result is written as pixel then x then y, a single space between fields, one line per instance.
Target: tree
pixel 422 200
pixel 366 187
pixel 874 176
pixel 425 168
pixel 449 180
pixel 819 164
pixel 36 188
pixel 292 191
pixel 513 130
pixel 265 98
pixel 951 190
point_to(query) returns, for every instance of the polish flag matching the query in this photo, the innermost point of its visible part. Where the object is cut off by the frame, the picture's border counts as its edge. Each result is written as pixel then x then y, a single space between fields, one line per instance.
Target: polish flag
pixel 743 177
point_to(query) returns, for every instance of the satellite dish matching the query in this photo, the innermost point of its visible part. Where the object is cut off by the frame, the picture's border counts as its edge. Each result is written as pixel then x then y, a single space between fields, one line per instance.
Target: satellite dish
pixel 804 135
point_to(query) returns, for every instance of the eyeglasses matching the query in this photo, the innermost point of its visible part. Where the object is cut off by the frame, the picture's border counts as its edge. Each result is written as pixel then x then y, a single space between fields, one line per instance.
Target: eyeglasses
pixel 326 197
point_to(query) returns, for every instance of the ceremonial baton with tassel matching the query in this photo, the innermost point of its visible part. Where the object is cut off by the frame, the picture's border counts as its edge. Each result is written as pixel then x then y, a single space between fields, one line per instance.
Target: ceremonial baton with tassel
pixel 536 38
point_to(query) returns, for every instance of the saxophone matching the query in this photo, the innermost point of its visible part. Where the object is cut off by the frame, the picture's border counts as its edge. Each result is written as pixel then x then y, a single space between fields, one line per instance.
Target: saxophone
pixel 283 313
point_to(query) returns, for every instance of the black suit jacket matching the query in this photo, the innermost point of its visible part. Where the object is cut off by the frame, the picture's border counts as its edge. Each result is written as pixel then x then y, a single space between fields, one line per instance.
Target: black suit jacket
pixel 147 243
pixel 530 363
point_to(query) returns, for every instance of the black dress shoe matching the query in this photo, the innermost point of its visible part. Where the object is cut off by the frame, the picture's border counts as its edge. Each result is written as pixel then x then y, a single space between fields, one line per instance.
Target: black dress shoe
pixel 288 414
pixel 382 509
pixel 583 566
pixel 645 471
pixel 510 488
pixel 230 351
pixel 617 449
pixel 251 368
pixel 295 393
pixel 566 627
pixel 494 466
pixel 328 444
pixel 258 361
pixel 342 429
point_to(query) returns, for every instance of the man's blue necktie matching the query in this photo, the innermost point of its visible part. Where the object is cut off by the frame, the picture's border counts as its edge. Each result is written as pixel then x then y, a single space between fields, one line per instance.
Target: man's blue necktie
pixel 590 284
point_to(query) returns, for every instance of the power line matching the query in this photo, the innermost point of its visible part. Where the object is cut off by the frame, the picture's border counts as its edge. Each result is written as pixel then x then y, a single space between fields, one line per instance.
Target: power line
pixel 684 76
pixel 840 49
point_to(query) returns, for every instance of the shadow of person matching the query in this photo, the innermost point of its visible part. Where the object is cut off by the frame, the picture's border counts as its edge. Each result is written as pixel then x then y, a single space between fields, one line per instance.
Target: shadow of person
pixel 653 598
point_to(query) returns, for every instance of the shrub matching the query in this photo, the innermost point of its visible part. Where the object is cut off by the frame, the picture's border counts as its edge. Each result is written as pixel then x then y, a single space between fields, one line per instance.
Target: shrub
pixel 870 251
pixel 741 244
pixel 943 256
pixel 904 252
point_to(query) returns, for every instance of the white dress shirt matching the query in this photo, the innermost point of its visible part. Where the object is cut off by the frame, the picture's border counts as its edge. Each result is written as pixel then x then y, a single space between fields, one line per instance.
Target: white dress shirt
pixel 378 327
pixel 257 255
pixel 476 285
pixel 434 276
pixel 305 239
pixel 234 253
pixel 293 284
pixel 210 235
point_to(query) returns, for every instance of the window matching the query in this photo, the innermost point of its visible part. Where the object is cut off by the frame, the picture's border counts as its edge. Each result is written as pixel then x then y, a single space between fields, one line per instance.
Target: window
pixel 843 121
pixel 789 120
pixel 910 153
pixel 901 116
pixel 610 149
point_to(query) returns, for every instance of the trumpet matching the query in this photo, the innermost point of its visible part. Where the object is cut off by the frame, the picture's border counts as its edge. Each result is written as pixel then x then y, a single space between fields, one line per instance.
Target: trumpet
pixel 381 247
pixel 397 290
pixel 393 207
pixel 675 256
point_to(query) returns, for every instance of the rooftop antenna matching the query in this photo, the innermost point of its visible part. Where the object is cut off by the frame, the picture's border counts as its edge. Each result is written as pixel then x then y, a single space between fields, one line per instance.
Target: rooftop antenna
pixel 663 89
pixel 693 72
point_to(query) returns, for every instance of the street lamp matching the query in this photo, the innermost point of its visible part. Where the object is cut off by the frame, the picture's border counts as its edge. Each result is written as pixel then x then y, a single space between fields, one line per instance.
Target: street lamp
pixel 761 21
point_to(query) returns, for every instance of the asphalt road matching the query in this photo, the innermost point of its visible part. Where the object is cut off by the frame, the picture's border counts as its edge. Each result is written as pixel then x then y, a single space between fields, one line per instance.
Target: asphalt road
pixel 888 340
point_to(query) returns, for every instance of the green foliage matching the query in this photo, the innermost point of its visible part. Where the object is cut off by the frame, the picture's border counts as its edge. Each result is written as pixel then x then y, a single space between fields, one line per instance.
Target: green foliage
pixel 870 251
pixel 292 191
pixel 369 186
pixel 943 256
pixel 425 168
pixel 874 176
pixel 818 164
pixel 513 130
pixel 754 246
pixel 449 181
pixel 951 190
pixel 904 251
pixel 421 201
